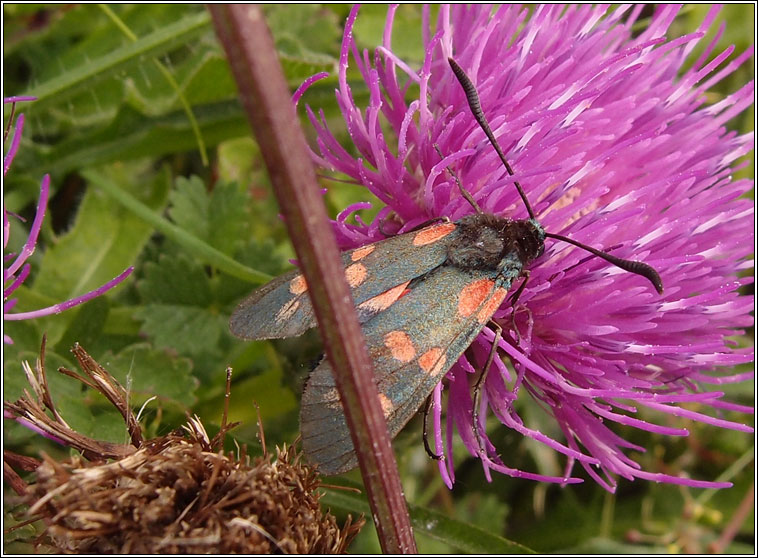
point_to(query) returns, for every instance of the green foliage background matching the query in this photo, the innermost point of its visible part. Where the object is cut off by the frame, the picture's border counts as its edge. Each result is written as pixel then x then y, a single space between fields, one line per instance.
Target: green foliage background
pixel 112 127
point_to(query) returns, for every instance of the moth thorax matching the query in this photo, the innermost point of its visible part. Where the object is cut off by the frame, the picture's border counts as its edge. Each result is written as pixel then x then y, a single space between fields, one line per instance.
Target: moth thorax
pixel 485 240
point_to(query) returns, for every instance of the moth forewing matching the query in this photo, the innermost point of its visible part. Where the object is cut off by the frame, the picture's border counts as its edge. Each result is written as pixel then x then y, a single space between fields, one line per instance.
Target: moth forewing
pixel 282 307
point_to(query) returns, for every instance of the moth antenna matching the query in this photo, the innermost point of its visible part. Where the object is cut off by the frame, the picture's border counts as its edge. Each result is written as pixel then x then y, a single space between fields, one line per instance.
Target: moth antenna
pixel 632 266
pixel 476 108
pixel 475 105
pixel 465 193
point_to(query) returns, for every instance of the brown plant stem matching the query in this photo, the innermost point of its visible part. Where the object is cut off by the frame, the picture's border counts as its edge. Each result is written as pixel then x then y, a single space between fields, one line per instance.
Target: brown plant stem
pixel 732 528
pixel 13 479
pixel 266 99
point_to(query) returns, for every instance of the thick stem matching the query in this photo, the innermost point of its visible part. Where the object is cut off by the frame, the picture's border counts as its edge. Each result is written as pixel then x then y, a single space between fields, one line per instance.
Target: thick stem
pixel 267 102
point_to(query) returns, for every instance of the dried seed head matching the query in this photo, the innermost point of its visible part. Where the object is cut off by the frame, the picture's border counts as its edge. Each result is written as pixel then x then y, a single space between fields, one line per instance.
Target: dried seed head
pixel 173 496
pixel 168 495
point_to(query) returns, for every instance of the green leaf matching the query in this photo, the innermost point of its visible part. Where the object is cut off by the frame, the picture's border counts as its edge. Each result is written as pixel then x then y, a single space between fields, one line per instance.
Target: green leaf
pixel 185 329
pixel 303 36
pixel 131 135
pixel 219 218
pixel 197 247
pixel 175 280
pixel 463 536
pixel 103 241
pixel 177 313
pixel 165 38
pixel 275 399
pixel 130 109
pixel 14 378
pixel 86 327
pixel 148 372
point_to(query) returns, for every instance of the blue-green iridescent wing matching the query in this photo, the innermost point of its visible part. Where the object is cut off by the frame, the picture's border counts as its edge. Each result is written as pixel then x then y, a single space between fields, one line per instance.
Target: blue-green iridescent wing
pixel 282 308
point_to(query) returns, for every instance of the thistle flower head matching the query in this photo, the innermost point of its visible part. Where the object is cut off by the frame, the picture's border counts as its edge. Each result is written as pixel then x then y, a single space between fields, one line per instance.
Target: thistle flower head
pixel 17 269
pixel 609 135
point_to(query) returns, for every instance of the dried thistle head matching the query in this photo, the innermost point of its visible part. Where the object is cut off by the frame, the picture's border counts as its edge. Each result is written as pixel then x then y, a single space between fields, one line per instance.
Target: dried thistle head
pixel 173 494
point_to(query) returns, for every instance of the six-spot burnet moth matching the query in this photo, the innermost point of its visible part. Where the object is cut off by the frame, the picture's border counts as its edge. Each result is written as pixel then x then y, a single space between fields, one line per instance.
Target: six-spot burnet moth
pixel 422 298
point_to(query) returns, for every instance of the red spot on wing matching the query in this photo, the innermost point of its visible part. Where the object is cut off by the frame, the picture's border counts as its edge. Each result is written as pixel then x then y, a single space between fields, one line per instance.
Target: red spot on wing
pixel 360 253
pixel 287 310
pixel 298 285
pixel 385 300
pixel 489 308
pixel 356 274
pixel 473 295
pixel 400 345
pixel 433 234
pixel 432 360
pixel 386 403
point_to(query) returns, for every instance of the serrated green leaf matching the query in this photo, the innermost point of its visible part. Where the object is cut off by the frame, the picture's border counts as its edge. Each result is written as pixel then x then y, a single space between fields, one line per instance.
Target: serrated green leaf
pixel 194 245
pixel 175 280
pixel 189 206
pixel 186 329
pixel 177 314
pixel 219 217
pixel 266 256
pixel 228 217
pixel 148 372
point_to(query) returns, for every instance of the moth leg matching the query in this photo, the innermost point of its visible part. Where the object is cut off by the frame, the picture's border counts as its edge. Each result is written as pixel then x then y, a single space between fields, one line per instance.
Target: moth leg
pixel 513 299
pixel 427 447
pixel 480 383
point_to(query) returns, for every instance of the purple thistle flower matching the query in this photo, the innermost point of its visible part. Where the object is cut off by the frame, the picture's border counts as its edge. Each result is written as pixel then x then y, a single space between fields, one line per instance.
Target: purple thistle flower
pixel 18 270
pixel 609 135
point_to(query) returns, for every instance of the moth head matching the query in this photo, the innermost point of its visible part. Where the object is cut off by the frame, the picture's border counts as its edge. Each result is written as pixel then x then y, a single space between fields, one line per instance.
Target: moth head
pixel 530 237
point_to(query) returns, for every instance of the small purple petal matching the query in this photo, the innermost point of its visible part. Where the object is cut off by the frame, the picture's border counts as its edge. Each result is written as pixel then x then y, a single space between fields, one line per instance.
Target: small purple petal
pixel 15 141
pixel 306 85
pixel 31 241
pixel 18 99
pixel 58 308
pixel 7 291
